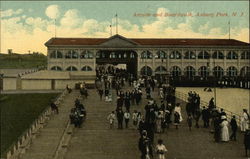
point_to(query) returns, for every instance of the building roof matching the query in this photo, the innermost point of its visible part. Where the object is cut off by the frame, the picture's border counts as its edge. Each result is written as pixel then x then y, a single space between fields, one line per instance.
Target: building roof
pixel 146 41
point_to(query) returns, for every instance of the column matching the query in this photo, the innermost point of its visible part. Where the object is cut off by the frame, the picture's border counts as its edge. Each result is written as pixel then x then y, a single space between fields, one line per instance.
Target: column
pixel 94 59
pixel 196 63
pixel 153 61
pixel 182 57
pixel 168 61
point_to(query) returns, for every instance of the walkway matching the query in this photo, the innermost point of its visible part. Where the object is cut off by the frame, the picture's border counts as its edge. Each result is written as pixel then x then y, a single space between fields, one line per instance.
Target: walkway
pixel 94 140
pixel 45 144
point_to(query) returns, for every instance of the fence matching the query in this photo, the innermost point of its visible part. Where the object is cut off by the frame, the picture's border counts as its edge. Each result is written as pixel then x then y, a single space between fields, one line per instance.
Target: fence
pixel 24 141
pixel 230 114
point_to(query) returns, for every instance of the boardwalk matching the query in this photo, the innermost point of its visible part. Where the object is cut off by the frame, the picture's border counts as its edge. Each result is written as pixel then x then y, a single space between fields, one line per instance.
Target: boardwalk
pixel 45 144
pixel 94 140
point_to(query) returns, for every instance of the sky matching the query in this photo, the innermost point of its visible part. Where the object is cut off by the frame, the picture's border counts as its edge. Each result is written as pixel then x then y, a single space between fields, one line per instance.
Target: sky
pixel 27 25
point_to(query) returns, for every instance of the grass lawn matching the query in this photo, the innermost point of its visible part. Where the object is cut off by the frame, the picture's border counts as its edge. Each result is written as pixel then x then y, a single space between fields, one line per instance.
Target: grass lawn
pixel 18 111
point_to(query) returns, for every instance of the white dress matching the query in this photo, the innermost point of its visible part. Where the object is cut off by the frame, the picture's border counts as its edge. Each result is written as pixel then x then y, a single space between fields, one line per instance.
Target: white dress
pixel 224 131
pixel 178 110
pixel 161 150
pixel 244 122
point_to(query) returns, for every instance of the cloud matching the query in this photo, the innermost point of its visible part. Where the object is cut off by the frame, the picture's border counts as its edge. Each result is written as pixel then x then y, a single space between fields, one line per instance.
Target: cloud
pixel 52 11
pixel 19 33
pixel 10 12
pixel 71 19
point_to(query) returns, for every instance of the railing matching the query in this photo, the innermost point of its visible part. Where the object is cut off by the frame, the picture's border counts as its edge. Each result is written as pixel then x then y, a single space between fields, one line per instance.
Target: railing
pixel 23 142
pixel 230 114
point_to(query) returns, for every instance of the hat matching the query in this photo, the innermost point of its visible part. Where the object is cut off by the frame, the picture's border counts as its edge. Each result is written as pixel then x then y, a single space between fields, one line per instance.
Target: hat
pixel 223 117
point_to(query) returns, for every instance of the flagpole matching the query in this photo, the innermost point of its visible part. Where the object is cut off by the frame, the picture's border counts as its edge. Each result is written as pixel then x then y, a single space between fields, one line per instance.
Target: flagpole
pixel 229 29
pixel 116 23
pixel 55 28
pixel 111 30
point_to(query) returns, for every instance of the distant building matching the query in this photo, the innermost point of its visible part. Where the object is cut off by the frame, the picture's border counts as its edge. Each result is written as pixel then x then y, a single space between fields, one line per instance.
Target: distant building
pixel 181 58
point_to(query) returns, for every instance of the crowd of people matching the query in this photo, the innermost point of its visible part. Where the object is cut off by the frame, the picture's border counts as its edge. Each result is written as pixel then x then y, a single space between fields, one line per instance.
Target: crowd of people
pixel 155 117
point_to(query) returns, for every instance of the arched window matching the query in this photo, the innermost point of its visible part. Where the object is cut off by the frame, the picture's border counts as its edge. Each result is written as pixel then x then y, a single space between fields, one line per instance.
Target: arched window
pixel 56 68
pixel 203 55
pixel 56 54
pixel 245 55
pixel 146 71
pixel 232 55
pixel 112 55
pixel 231 71
pixel 218 72
pixel 161 55
pixel 71 54
pixel 132 55
pixel 218 55
pixel 86 68
pixel 175 55
pixel 189 72
pixel 71 68
pixel 245 71
pixel 146 55
pixel 86 54
pixel 160 70
pixel 189 55
pixel 203 71
pixel 98 55
pixel 176 71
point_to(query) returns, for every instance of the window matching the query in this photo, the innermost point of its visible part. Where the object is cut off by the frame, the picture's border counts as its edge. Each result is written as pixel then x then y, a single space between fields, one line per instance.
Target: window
pixel 218 72
pixel 232 71
pixel 161 55
pixel 132 55
pixel 189 71
pixel 146 55
pixel 176 71
pixel 56 68
pixel 232 55
pixel 86 68
pixel 218 55
pixel 189 55
pixel 203 55
pixel 245 71
pixel 112 55
pixel 98 55
pixel 71 54
pixel 245 55
pixel 86 54
pixel 161 69
pixel 175 55
pixel 71 68
pixel 203 71
pixel 146 71
pixel 56 54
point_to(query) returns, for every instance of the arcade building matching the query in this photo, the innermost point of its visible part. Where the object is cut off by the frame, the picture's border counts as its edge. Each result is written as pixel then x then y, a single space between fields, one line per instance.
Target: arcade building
pixel 189 60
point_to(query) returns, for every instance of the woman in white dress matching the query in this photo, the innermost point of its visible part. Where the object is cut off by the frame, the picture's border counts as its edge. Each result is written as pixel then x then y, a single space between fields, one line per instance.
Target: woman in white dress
pixel 244 121
pixel 224 129
pixel 178 110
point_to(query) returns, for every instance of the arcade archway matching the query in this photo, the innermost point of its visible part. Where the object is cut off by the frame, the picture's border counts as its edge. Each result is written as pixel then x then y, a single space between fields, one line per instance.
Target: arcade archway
pixel 116 57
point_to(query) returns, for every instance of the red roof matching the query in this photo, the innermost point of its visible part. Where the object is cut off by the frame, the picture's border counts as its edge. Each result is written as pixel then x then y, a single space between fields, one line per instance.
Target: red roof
pixel 98 41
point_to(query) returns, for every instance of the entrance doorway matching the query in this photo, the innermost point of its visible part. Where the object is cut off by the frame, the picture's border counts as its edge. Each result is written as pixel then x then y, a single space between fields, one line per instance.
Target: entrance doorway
pixel 126 59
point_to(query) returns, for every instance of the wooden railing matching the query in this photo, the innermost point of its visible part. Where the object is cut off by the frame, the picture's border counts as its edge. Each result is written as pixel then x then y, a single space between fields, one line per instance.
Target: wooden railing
pixel 230 114
pixel 24 141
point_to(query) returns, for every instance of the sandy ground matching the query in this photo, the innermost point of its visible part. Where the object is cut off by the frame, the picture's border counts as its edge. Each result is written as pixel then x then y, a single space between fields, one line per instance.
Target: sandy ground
pixel 232 99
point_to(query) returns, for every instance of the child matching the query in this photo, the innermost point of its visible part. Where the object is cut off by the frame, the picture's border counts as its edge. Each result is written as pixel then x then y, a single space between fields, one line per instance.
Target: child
pixel 134 118
pixel 111 119
pixel 161 149
pixel 189 121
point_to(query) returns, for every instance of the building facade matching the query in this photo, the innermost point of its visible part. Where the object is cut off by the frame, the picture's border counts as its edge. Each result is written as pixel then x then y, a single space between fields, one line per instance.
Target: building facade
pixel 187 58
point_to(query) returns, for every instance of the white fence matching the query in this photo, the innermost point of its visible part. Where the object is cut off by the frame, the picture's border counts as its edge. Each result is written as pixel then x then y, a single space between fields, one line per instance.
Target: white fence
pixel 26 138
